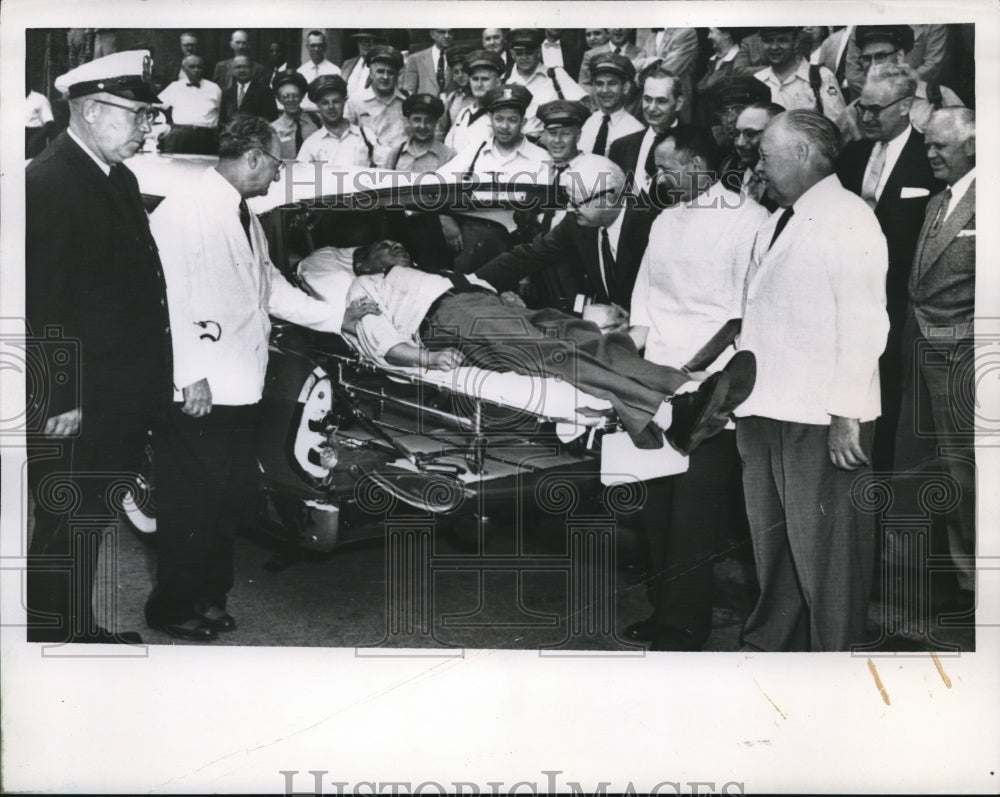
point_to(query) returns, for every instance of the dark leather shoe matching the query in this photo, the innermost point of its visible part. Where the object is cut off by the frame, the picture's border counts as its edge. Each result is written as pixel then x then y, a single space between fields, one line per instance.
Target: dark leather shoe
pixel 695 415
pixel 194 630
pixel 217 619
pixel 641 631
pixel 742 370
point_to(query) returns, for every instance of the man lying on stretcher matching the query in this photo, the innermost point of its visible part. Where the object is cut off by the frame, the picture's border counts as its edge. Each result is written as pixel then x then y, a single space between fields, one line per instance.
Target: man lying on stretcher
pixel 441 321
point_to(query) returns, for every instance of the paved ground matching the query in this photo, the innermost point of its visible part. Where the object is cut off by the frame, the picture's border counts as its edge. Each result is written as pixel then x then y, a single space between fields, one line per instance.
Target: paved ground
pixel 556 586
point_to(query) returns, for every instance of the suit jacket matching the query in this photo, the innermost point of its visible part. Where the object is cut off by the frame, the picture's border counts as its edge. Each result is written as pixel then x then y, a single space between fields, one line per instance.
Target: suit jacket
pixel 223 73
pixel 259 101
pixel 625 152
pixel 420 74
pixel 943 281
pixel 569 239
pixel 93 276
pixel 900 217
pixel 679 54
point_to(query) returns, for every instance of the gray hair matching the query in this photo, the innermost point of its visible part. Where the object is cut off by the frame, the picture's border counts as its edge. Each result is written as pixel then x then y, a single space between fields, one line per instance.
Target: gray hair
pixel 244 133
pixel 655 70
pixel 959 118
pixel 822 134
pixel 901 78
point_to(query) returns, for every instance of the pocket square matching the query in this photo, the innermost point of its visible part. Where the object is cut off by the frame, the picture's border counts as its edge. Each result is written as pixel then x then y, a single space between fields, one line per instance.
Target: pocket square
pixel 912 192
pixel 964 233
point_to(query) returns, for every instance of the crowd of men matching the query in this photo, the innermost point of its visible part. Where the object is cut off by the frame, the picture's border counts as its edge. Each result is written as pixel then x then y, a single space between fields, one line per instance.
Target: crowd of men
pixel 805 195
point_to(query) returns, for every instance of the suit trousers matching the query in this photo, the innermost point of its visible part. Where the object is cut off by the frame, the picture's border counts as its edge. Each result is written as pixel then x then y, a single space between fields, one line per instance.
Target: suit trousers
pixel 206 491
pixel 813 547
pixel 686 519
pixel 501 337
pixel 940 377
pixel 77 486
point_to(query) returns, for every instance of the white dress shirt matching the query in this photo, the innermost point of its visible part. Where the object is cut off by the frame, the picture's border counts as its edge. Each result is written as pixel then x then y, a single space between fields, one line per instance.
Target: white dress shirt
pixel 347 149
pixel 214 277
pixel 614 236
pixel 621 124
pixel 893 149
pixel 37 110
pixel 524 162
pixel 691 278
pixel 959 190
pixel 193 105
pixel 814 310
pixel 552 54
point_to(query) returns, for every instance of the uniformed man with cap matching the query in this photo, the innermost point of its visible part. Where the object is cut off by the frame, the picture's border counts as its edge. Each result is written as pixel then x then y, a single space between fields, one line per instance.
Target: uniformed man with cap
pixel 472 125
pixel 294 125
pixel 506 154
pixel 792 81
pixel 880 44
pixel 459 97
pixel 421 152
pixel 379 108
pixel 95 295
pixel 611 76
pixel 544 83
pixel 338 142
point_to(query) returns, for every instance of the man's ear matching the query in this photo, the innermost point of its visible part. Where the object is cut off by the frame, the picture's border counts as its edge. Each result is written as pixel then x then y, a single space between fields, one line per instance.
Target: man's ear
pixel 969 146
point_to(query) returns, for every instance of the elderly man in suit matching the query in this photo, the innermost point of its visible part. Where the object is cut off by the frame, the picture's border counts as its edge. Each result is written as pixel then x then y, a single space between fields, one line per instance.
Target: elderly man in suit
pixel 95 289
pixel 223 75
pixel 937 337
pixel 889 170
pixel 814 316
pixel 247 95
pixel 426 71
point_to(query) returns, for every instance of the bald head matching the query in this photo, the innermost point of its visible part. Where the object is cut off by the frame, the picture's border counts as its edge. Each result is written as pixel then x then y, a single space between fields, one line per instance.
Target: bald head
pixel 594 186
pixel 950 140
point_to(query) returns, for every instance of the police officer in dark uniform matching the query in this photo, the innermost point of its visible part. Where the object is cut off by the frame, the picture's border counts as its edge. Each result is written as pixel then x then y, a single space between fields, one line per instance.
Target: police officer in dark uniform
pixel 98 323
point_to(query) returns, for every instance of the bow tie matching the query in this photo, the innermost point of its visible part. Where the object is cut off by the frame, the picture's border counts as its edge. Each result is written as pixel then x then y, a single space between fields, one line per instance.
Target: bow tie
pixel 194 85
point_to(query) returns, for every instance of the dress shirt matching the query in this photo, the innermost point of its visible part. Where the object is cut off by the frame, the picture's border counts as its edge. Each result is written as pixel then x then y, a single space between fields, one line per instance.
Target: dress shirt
pixel 542 91
pixel 524 161
pixel 37 110
pixel 959 190
pixel 691 278
pixel 213 274
pixel 384 117
pixel 347 149
pixel 104 167
pixel 405 296
pixel 814 310
pixel 614 236
pixel 284 126
pixel 193 105
pixel 716 61
pixel 796 92
pixel 310 72
pixel 357 81
pixel 413 157
pixel 641 178
pixel 552 54
pixel 464 133
pixel 622 123
pixel 892 150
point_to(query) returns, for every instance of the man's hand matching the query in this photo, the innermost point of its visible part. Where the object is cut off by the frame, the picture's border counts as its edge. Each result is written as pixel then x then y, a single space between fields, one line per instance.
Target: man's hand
pixel 512 299
pixel 609 317
pixel 357 310
pixel 452 233
pixel 844 443
pixel 63 425
pixel 443 359
pixel 197 399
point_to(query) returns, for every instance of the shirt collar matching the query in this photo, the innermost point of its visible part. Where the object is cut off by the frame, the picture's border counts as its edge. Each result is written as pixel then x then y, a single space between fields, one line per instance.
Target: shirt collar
pixel 961 187
pixel 351 130
pixel 729 56
pixel 219 188
pixel 104 167
pixel 706 199
pixel 895 145
pixel 433 147
pixel 818 197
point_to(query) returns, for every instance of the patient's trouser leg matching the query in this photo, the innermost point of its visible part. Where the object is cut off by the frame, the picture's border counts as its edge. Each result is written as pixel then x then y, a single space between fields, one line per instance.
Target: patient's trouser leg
pixel 552 343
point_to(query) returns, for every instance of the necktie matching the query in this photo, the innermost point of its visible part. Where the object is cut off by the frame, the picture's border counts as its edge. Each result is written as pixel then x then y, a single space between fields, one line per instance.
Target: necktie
pixel 782 223
pixel 873 174
pixel 609 260
pixel 940 216
pixel 651 157
pixel 601 142
pixel 193 85
pixel 440 72
pixel 241 91
pixel 245 220
pixel 298 134
pixel 618 50
pixel 549 214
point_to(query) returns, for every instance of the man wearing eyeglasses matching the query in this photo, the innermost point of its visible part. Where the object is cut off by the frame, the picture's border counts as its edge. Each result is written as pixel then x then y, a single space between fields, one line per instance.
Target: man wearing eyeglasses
pixel 739 172
pixel 893 44
pixel 222 288
pixel 888 168
pixel 96 301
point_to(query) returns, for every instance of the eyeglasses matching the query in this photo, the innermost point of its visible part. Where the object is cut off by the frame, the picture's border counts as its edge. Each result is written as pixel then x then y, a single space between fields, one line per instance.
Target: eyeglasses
pixel 877 58
pixel 577 205
pixel 279 161
pixel 144 115
pixel 875 110
pixel 748 133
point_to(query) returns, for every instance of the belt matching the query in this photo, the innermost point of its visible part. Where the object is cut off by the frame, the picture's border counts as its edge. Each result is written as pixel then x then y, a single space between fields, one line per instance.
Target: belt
pixel 460 285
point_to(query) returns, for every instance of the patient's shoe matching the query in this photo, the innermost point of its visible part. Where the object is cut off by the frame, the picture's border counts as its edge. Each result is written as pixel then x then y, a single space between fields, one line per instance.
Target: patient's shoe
pixel 742 370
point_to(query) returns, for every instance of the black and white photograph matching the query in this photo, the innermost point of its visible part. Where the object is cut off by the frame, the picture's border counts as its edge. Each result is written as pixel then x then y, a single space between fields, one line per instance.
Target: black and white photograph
pixel 484 409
